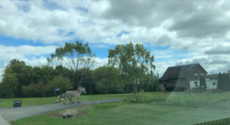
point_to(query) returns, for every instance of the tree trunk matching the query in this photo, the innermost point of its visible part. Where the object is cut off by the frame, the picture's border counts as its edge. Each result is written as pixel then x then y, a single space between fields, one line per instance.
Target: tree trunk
pixel 134 88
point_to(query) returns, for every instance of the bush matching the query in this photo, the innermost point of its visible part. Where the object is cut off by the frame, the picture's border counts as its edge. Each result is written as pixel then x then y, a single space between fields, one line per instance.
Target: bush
pixel 214 91
pixel 196 90
pixel 120 91
pixel 144 98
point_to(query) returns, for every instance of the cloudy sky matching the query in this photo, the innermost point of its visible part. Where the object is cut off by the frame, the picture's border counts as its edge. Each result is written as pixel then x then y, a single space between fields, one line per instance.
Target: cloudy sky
pixel 175 31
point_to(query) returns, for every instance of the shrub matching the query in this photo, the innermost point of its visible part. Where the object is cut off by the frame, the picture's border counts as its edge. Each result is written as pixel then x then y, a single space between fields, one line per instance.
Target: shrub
pixel 196 90
pixel 120 91
pixel 214 91
pixel 144 98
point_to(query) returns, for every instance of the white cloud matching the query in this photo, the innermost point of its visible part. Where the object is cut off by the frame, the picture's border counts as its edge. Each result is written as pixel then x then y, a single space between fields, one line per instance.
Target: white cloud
pixel 199 28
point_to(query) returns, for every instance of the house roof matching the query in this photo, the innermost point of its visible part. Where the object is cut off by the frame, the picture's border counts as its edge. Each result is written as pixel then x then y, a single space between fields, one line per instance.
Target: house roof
pixel 179 71
pixel 212 76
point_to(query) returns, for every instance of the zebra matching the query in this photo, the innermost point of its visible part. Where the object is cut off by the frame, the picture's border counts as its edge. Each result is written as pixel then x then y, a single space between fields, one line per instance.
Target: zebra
pixel 74 93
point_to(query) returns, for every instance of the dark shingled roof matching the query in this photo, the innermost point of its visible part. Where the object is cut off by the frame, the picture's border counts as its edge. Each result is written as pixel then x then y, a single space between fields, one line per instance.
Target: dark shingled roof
pixel 179 71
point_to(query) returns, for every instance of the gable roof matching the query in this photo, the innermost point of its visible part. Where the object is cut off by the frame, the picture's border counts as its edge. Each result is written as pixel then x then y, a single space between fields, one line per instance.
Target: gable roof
pixel 179 71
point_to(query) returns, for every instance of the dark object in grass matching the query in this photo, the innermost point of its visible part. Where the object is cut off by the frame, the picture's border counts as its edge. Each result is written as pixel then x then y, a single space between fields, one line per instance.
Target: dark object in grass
pixel 67 116
pixel 17 103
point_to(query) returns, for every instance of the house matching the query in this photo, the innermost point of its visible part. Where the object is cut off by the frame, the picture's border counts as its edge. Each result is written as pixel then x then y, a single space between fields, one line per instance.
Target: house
pixel 183 77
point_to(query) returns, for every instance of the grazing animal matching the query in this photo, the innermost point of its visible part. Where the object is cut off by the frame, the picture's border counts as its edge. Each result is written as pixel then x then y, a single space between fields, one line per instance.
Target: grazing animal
pixel 74 93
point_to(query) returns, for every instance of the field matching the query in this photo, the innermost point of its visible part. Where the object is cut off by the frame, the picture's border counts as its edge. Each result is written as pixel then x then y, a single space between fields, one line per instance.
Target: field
pixel 6 103
pixel 146 109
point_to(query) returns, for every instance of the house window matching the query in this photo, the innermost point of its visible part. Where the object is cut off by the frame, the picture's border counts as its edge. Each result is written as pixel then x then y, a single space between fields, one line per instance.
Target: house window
pixel 195 75
pixel 202 74
pixel 195 83
pixel 214 83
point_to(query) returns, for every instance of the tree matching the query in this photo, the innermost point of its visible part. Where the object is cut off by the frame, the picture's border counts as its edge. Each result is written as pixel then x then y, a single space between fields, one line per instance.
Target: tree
pixel 9 84
pixel 133 62
pixel 89 89
pixel 15 61
pixel 41 87
pixel 74 56
pixel 107 78
pixel 203 83
pixel 30 90
pixel 59 82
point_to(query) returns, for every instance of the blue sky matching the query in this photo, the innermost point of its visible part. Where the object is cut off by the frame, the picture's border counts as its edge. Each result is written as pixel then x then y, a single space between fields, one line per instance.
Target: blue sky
pixel 175 32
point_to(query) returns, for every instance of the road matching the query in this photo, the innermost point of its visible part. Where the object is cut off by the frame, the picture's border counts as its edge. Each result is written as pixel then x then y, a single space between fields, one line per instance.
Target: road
pixel 11 114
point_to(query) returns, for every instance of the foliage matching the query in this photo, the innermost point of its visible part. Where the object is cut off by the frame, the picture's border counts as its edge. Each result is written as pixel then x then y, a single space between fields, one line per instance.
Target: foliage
pixel 108 77
pixel 15 61
pixel 30 90
pixel 133 62
pixel 74 56
pixel 146 97
pixel 41 87
pixel 213 91
pixel 89 89
pixel 59 82
pixel 196 99
pixel 196 90
pixel 9 84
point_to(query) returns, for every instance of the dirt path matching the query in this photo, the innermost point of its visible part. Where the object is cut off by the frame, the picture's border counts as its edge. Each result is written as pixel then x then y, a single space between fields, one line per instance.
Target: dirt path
pixel 11 114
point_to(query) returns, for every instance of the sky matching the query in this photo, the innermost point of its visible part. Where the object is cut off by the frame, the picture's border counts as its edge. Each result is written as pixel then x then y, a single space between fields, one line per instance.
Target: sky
pixel 176 32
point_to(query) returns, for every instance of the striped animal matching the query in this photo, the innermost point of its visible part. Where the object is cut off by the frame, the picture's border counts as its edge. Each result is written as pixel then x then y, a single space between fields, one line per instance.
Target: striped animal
pixel 74 93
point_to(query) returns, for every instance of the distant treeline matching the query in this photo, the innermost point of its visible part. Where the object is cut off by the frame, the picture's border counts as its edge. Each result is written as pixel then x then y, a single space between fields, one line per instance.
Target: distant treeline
pixel 21 80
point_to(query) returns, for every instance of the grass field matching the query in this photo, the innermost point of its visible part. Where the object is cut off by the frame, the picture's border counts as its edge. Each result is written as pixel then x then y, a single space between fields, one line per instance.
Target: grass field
pixel 49 100
pixel 145 112
pixel 129 114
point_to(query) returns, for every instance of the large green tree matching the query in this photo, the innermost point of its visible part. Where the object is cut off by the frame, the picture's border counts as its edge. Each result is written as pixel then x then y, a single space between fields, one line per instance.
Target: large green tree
pixel 9 84
pixel 30 90
pixel 107 80
pixel 74 56
pixel 59 82
pixel 133 61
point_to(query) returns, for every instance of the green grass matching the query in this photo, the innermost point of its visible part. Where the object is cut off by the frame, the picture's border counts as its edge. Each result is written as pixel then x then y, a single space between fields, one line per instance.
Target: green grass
pixel 151 109
pixel 130 114
pixel 49 100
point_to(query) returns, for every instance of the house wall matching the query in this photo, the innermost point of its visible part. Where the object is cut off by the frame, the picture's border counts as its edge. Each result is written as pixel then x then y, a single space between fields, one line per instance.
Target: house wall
pixel 191 76
pixel 193 85
pixel 211 84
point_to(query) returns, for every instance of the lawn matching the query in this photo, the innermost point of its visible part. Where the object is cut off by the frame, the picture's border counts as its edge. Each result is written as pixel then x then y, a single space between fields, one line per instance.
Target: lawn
pixel 169 110
pixel 129 114
pixel 49 100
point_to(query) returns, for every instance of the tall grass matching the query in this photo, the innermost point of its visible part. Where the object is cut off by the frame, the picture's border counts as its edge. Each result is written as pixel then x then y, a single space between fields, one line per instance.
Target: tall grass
pixel 187 100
